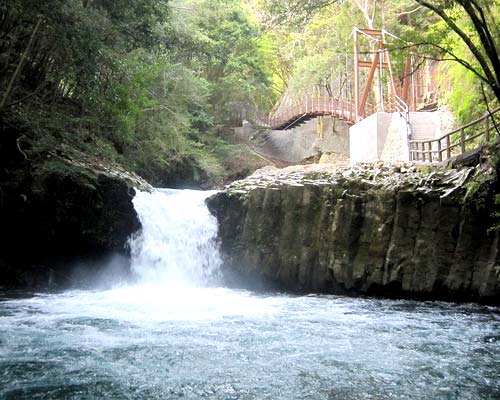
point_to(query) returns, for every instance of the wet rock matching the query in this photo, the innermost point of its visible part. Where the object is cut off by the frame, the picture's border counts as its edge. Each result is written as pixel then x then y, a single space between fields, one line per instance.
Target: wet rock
pixel 63 210
pixel 376 229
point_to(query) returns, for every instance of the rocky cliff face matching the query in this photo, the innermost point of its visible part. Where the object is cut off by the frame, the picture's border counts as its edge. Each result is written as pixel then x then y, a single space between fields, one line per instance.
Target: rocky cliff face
pixel 59 211
pixel 376 230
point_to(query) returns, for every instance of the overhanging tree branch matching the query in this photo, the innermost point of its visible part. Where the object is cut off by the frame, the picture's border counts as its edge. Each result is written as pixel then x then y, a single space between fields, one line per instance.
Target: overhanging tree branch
pixel 453 57
pixel 488 59
pixel 484 33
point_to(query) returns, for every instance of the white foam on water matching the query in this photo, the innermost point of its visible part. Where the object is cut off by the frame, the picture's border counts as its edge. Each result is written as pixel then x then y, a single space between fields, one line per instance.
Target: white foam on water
pixel 176 262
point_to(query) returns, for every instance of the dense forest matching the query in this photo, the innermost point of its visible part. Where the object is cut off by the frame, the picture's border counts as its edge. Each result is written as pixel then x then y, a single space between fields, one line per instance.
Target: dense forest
pixel 148 84
pixel 156 85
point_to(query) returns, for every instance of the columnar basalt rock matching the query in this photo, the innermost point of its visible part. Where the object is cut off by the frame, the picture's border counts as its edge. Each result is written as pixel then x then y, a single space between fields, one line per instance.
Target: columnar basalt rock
pixel 387 230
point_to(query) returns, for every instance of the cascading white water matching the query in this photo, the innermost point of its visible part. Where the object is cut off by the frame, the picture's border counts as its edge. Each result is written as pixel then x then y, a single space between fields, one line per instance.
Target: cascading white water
pixel 177 244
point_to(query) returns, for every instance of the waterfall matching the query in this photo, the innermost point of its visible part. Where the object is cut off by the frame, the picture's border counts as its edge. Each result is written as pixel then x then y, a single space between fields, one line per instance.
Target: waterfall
pixel 177 244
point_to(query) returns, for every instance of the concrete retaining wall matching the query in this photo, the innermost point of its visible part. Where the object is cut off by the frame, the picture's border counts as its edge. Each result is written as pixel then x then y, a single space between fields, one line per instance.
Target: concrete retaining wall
pixel 293 145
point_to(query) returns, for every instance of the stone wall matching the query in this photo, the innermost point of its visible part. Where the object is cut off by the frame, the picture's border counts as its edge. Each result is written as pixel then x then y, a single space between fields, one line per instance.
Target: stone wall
pixel 390 231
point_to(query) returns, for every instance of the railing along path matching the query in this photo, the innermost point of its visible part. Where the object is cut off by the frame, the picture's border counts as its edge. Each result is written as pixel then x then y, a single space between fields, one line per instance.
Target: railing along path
pixel 458 141
pixel 310 107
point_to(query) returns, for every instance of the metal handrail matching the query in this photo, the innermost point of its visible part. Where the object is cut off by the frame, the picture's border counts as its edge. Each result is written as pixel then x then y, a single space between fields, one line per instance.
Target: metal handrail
pixel 431 150
pixel 404 111
pixel 310 106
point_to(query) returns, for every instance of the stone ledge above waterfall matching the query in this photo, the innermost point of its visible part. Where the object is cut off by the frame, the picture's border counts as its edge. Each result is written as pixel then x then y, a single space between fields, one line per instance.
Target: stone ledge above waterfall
pixel 394 230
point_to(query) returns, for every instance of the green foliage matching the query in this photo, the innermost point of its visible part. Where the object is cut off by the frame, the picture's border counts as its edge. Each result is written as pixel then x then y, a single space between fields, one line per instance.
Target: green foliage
pixel 479 190
pixel 227 162
pixel 472 39
pixel 464 96
pixel 234 59
pixel 496 214
pixel 313 36
pixel 153 84
pixel 314 39
pixel 145 83
pixel 77 50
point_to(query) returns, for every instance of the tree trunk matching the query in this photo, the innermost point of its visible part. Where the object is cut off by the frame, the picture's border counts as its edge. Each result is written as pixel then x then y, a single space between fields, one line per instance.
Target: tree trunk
pixel 12 81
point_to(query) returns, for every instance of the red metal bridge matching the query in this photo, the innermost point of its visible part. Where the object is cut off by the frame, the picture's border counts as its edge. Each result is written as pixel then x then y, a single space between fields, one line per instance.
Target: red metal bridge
pixel 392 98
pixel 310 107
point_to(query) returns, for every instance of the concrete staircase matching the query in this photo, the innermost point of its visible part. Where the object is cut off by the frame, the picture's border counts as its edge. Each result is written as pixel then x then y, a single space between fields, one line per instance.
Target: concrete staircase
pixel 384 136
pixel 425 125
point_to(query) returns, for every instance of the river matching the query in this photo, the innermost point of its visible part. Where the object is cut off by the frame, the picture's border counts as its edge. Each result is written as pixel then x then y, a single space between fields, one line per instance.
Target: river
pixel 174 332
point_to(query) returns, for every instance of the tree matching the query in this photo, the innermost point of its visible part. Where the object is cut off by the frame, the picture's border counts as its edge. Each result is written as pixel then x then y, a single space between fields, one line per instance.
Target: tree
pixel 460 30
pixel 289 12
pixel 480 33
pixel 315 42
pixel 74 46
pixel 233 58
pixel 149 84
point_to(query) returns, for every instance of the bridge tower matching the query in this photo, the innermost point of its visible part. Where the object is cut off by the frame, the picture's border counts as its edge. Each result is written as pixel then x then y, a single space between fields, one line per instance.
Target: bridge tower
pixel 378 60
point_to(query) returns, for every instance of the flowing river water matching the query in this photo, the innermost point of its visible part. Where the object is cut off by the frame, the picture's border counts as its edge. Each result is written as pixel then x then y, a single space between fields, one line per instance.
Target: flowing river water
pixel 175 333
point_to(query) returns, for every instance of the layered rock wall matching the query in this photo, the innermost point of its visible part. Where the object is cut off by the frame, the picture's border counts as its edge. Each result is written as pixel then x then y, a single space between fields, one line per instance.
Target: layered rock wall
pixel 377 230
